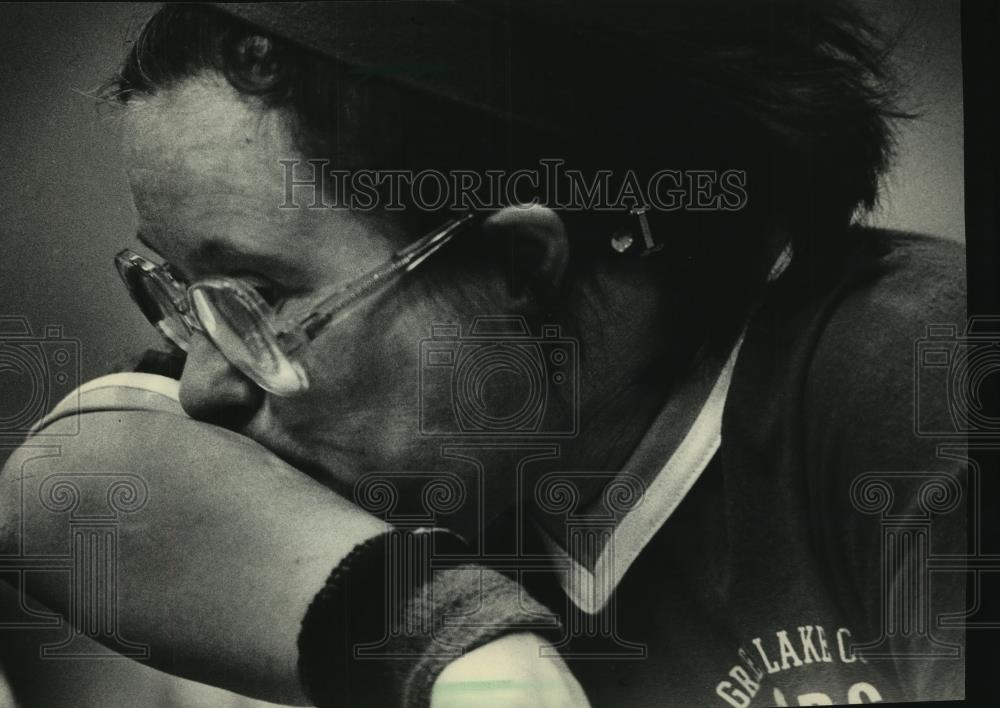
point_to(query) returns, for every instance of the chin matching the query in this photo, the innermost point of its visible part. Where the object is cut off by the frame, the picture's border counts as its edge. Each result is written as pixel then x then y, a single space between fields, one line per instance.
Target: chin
pixel 332 466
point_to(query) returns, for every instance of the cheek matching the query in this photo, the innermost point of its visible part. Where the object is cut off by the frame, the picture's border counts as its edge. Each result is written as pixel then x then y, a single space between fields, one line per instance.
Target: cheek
pixel 365 371
pixel 362 369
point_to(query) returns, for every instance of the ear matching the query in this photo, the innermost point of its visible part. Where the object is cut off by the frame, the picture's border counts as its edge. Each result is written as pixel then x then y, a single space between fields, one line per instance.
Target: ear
pixel 533 245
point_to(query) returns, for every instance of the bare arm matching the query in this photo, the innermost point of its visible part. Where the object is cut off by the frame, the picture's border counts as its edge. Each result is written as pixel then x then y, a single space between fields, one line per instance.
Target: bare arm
pixel 222 548
pixel 216 567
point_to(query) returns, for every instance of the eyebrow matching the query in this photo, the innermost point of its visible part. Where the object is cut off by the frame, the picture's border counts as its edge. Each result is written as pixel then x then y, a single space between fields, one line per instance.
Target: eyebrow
pixel 223 257
pixel 141 238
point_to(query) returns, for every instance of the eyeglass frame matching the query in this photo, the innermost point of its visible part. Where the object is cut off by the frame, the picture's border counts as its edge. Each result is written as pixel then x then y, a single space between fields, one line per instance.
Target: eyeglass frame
pixel 291 331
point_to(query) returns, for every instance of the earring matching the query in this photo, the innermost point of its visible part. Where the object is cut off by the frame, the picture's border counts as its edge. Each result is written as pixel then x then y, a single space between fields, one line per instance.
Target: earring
pixel 623 240
pixel 647 234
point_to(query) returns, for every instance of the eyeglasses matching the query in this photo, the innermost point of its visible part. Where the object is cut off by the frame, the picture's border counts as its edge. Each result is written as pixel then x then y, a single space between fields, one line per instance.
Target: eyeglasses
pixel 255 337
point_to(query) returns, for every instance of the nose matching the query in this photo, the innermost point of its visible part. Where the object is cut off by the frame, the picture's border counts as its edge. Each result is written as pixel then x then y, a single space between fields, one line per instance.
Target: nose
pixel 214 391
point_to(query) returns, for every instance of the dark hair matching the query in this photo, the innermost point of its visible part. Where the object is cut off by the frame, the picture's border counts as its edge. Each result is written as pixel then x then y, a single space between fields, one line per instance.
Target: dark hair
pixel 795 92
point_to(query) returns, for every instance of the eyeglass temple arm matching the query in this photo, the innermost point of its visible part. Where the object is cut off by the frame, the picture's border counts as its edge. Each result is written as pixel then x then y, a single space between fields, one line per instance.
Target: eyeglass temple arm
pixel 404 260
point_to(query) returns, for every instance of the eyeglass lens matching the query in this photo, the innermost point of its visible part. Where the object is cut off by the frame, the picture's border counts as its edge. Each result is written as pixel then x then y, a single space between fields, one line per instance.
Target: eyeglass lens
pixel 156 304
pixel 240 333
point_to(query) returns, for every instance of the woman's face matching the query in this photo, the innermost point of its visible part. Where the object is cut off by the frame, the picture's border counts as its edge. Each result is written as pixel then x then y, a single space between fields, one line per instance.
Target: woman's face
pixel 204 167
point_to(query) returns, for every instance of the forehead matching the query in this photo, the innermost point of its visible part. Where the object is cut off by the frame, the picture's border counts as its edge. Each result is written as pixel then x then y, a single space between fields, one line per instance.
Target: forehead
pixel 203 163
pixel 202 139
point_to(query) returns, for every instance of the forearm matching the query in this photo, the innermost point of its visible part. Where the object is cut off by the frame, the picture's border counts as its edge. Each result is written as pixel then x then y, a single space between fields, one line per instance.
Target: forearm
pixel 223 548
pixel 217 567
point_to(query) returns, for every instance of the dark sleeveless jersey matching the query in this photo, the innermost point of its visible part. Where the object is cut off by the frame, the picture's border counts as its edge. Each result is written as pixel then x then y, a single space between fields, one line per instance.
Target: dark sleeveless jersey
pixel 816 558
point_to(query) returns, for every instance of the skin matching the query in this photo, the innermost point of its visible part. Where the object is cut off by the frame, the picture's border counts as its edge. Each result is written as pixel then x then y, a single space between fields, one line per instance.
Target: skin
pixel 202 163
pixel 201 527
